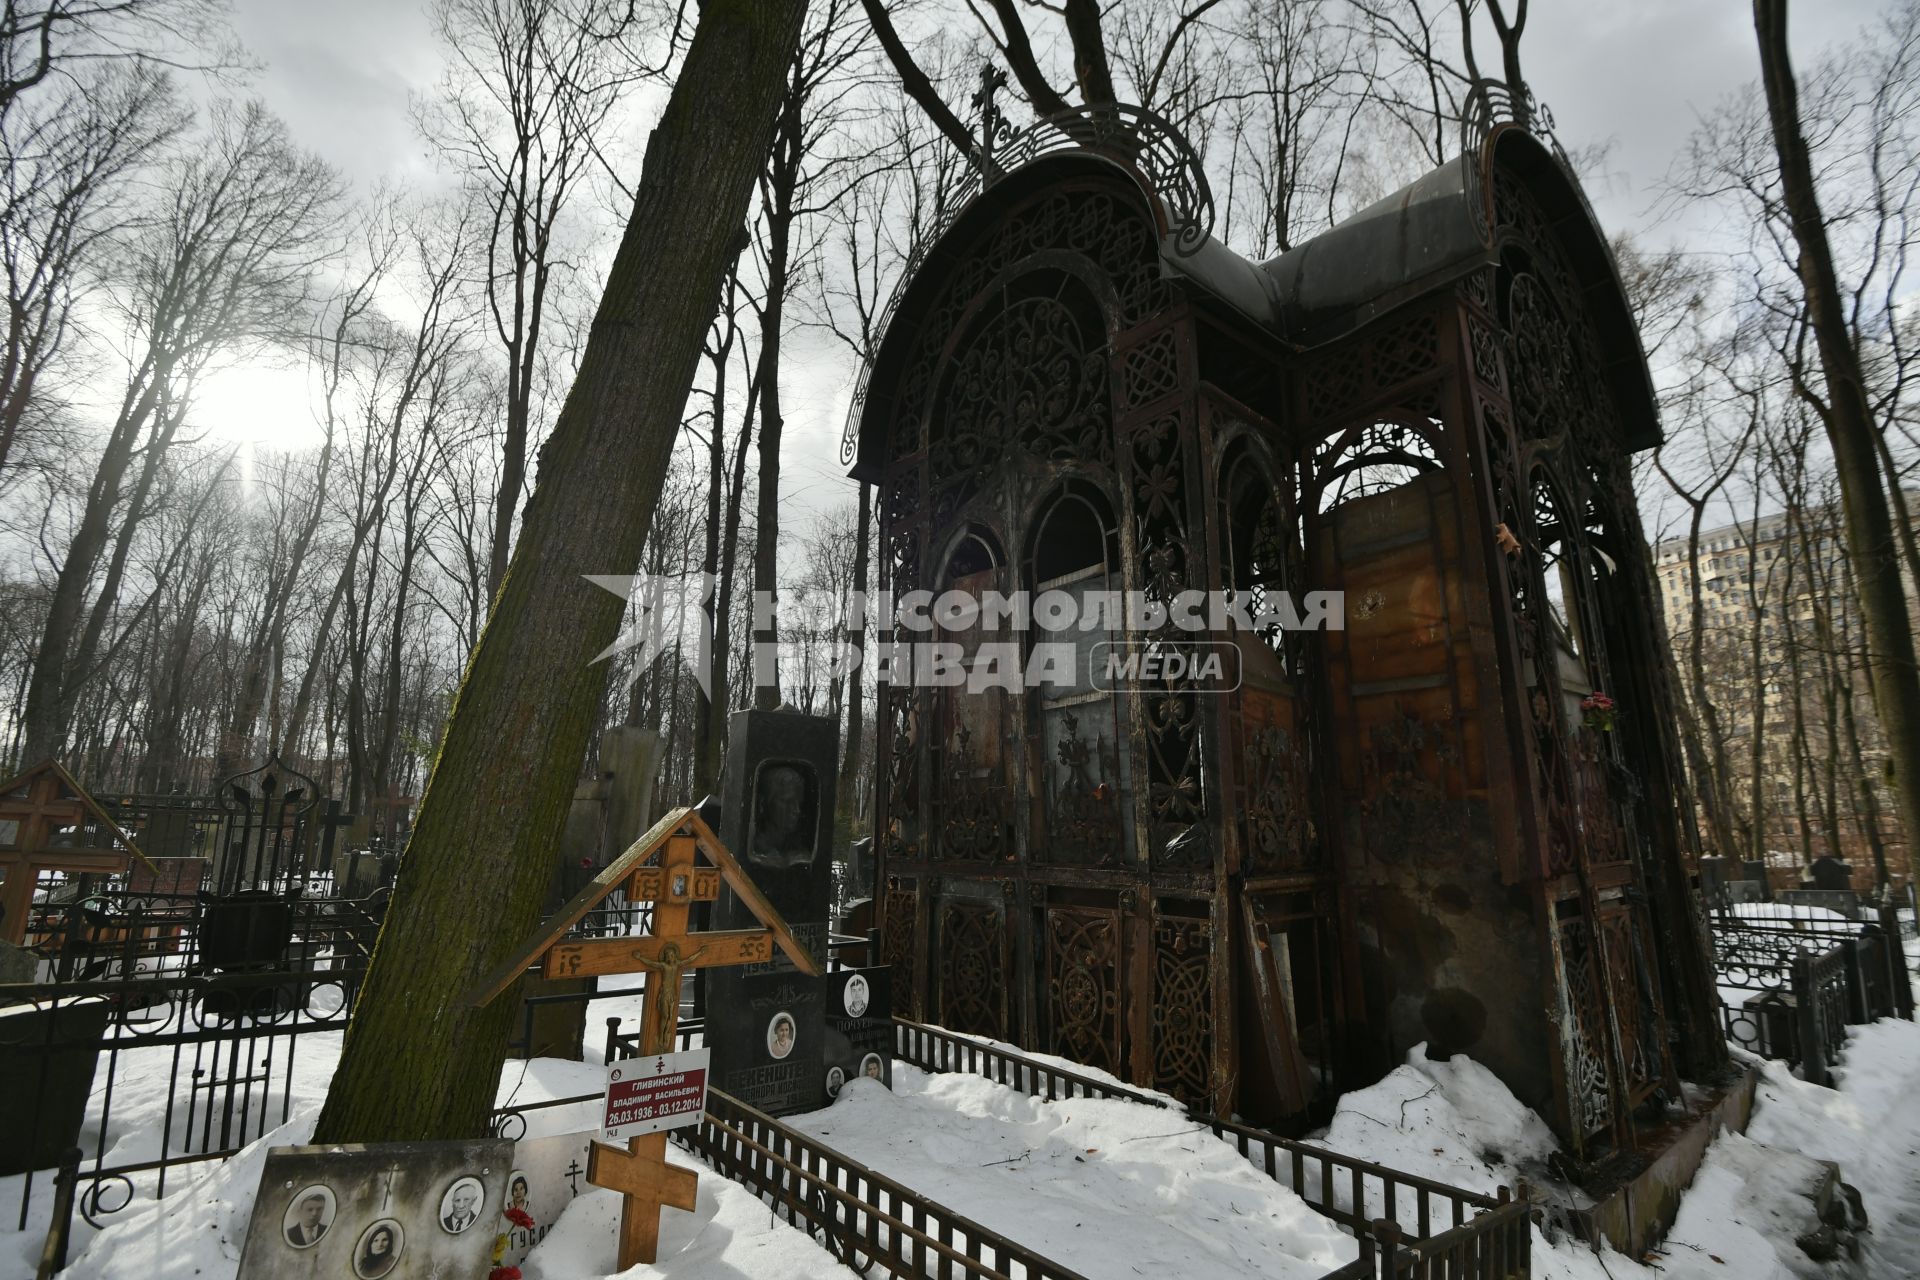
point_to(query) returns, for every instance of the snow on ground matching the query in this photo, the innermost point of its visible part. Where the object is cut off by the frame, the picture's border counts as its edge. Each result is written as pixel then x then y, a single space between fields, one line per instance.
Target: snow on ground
pixel 1455 1122
pixel 1870 1125
pixel 196 1232
pixel 1781 913
pixel 1109 1188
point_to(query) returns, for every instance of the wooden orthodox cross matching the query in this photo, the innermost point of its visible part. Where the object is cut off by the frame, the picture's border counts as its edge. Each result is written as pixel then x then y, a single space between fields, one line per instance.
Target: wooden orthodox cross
pixel 33 808
pixel 641 1172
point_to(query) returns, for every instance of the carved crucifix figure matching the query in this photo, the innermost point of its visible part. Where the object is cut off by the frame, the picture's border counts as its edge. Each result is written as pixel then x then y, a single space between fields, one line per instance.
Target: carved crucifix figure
pixel 664 972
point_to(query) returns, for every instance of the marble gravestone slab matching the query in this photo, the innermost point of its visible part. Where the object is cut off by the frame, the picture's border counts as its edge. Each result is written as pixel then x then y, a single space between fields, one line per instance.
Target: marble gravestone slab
pixel 859 1027
pixel 387 1211
pixel 547 1174
pixel 766 1023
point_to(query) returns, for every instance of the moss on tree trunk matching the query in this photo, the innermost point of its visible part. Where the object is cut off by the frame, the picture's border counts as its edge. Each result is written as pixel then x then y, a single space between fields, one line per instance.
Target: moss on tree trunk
pixel 416 1063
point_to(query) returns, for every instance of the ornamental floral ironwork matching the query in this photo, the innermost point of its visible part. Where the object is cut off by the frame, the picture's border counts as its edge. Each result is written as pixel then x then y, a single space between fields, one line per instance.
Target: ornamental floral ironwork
pixel 1142 141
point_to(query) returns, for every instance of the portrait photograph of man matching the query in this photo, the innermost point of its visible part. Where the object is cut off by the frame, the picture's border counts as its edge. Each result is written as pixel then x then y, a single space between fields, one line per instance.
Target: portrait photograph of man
pixel 308 1215
pixel 460 1206
pixel 858 996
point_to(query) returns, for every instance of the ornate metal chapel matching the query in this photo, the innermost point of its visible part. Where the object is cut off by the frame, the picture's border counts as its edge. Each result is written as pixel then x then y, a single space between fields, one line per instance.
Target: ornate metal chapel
pixel 1404 831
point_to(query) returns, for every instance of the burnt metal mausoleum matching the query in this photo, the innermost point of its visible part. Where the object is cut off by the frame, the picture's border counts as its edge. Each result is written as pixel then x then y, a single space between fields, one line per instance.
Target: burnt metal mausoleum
pixel 1403 831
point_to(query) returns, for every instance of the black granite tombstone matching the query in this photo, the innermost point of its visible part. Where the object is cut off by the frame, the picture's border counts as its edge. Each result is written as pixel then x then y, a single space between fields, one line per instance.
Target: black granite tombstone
pixel 47 1057
pixel 1830 874
pixel 1714 874
pixel 859 1027
pixel 766 1023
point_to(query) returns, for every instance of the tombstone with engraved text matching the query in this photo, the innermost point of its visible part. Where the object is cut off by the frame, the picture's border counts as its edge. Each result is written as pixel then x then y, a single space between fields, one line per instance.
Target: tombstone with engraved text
pixel 766 1023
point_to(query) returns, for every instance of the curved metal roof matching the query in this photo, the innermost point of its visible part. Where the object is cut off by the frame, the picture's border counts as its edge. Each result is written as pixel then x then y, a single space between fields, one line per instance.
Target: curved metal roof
pixel 1422 237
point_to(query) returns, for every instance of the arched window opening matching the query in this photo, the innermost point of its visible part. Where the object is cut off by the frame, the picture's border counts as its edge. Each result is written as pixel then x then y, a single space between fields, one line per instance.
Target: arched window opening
pixel 972 801
pixel 975 553
pixel 1030 378
pixel 1259 547
pixel 1073 570
pixel 1573 579
pixel 1362 461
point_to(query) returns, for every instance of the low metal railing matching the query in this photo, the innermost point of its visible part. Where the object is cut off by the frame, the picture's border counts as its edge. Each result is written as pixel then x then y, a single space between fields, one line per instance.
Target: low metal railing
pixel 1811 976
pixel 865 1219
pixel 1460 1232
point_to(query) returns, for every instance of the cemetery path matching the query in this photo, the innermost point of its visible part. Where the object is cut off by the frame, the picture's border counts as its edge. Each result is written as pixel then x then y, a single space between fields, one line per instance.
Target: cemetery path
pixel 1870 1126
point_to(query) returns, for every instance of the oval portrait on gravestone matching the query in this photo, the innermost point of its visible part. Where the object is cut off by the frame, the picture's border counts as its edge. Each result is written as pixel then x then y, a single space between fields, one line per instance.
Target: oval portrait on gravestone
pixel 309 1215
pixel 872 1068
pixel 517 1192
pixel 857 996
pixel 378 1249
pixel 781 1034
pixel 461 1205
pixel 835 1078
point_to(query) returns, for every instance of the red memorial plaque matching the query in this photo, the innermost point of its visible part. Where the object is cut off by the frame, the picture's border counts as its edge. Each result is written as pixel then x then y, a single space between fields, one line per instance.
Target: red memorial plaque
pixel 654 1094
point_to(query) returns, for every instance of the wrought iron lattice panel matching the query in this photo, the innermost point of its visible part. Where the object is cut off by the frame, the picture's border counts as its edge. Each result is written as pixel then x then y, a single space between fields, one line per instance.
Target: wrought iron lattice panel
pixel 1346 379
pixel 1278 825
pixel 1585 1039
pixel 971 943
pixel 1183 1008
pixel 1084 986
pixel 897 942
pixel 1144 142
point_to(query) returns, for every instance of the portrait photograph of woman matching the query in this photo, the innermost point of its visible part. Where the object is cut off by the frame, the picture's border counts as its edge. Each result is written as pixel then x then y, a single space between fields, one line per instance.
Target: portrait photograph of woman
pixel 378 1249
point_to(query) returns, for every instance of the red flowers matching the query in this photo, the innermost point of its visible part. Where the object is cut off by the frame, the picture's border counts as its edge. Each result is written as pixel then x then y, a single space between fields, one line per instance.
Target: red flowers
pixel 504 1273
pixel 519 1218
pixel 1597 709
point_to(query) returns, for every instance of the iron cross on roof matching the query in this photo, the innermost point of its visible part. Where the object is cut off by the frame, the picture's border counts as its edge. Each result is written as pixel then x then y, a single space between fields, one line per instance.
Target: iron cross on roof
pixel 993 123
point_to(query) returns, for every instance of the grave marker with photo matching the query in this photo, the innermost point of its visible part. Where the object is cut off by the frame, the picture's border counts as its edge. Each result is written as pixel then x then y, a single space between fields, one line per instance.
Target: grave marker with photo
pixel 766 1023
pixel 385 1211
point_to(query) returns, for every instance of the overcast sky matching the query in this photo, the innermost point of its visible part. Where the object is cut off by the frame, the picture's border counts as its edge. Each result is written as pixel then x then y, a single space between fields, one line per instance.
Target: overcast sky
pixel 1636 73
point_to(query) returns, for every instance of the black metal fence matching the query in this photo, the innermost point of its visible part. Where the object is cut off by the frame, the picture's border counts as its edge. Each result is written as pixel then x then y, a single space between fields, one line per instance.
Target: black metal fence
pixel 1406 1225
pixel 1791 986
pixel 112 930
pixel 865 1219
pixel 154 1073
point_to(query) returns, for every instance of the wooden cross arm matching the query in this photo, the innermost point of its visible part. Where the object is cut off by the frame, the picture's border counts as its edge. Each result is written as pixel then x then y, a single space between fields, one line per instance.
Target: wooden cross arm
pixel 642 1175
pixel 646 1182
pixel 601 956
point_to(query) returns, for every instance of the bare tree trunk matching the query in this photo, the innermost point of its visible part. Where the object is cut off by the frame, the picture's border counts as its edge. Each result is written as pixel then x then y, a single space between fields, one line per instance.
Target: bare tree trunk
pixel 418 1063
pixel 857 642
pixel 1871 542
